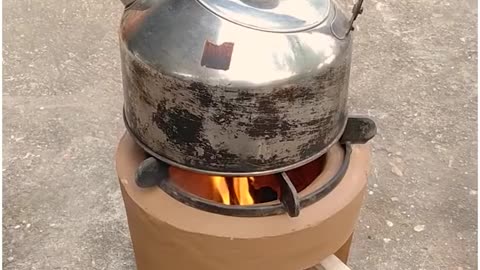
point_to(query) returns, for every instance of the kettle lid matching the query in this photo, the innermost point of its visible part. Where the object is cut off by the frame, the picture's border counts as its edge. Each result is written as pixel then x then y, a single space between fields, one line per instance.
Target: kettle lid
pixel 271 15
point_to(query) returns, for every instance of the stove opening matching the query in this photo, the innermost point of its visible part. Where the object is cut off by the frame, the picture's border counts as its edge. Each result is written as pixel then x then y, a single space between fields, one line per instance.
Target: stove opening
pixel 244 190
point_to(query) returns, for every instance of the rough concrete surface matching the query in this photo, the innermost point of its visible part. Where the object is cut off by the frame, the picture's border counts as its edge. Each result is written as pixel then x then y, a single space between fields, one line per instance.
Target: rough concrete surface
pixel 414 72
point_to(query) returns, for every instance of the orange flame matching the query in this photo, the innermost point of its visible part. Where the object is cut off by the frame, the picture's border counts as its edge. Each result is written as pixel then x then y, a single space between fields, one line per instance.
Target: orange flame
pixel 220 187
pixel 241 188
pixel 226 190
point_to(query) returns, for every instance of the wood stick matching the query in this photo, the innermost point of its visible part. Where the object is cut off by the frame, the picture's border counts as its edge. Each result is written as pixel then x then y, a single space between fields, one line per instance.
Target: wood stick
pixel 331 263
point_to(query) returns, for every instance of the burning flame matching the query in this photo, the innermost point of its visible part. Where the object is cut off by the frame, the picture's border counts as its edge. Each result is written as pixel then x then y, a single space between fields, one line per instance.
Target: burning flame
pixel 227 190
pixel 241 189
pixel 220 187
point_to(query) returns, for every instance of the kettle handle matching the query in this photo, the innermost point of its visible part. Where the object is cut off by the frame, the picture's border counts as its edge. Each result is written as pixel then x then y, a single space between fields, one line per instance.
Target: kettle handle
pixel 356 10
pixel 127 3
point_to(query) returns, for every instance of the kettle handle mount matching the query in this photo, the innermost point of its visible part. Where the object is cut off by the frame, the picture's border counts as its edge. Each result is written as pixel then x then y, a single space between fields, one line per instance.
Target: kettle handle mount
pixel 356 10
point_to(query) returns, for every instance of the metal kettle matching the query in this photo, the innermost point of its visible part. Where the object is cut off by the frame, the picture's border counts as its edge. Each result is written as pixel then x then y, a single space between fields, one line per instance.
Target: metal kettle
pixel 236 87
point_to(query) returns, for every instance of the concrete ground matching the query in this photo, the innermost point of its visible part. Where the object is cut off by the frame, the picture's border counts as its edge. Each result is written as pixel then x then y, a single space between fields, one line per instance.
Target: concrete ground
pixel 414 72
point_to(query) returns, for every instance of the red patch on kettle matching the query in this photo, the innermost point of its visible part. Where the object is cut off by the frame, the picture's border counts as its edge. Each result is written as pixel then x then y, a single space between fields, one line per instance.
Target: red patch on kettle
pixel 217 56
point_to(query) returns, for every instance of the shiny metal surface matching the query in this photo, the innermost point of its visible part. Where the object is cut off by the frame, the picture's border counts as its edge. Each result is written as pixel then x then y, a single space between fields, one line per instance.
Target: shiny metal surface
pixel 211 95
pixel 271 15
pixel 225 171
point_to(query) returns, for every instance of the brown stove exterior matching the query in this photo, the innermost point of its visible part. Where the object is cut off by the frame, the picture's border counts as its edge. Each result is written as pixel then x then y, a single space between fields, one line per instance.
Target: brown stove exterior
pixel 167 234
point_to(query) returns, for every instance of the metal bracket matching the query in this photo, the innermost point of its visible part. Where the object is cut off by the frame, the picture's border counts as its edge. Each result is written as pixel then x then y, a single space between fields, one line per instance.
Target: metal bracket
pixel 289 196
pixel 358 130
pixel 150 172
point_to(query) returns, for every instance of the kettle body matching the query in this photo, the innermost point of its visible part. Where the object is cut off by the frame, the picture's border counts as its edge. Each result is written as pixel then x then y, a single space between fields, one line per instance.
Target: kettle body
pixel 235 87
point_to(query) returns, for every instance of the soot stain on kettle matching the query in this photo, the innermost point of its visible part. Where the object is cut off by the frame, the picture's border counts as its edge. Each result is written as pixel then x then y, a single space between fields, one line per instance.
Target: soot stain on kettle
pixel 244 96
pixel 185 130
pixel 268 123
pixel 324 137
pixel 202 93
pixel 179 125
pixel 226 113
pixel 293 94
pixel 138 73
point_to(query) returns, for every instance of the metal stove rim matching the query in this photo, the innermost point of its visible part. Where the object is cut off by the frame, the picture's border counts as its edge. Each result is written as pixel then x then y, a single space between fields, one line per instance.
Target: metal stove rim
pixel 153 171
pixel 289 202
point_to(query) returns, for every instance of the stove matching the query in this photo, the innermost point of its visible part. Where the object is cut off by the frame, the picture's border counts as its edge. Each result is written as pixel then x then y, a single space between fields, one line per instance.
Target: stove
pixel 239 151
pixel 180 219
